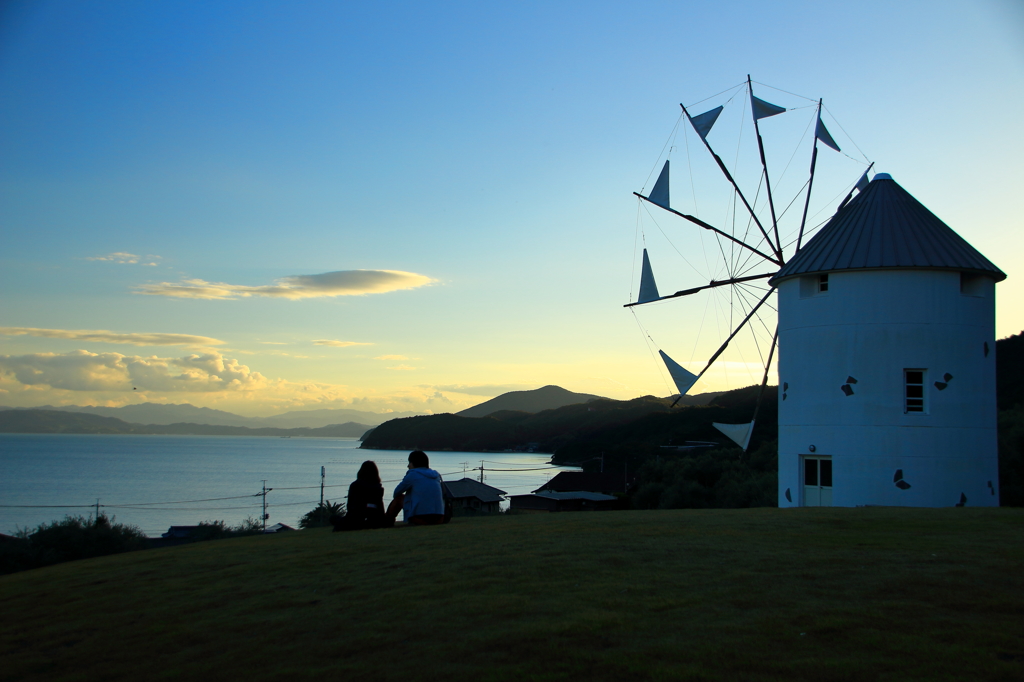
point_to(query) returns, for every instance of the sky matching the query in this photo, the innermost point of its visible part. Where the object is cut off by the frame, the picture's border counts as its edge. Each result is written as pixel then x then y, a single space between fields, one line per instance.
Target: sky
pixel 416 206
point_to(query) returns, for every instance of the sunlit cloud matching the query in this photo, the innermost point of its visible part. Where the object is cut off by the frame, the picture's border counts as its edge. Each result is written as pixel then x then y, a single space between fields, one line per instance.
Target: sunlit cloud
pixel 103 336
pixel 391 357
pixel 341 283
pixel 84 371
pixel 125 258
pixel 339 344
pixel 402 367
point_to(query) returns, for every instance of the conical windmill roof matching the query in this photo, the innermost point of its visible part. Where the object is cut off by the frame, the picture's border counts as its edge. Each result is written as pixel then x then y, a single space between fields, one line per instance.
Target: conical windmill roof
pixel 884 227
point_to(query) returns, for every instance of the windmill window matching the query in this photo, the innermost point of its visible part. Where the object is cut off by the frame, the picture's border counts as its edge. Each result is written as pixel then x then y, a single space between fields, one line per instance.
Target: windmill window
pixel 913 380
pixel 813 285
pixel 972 285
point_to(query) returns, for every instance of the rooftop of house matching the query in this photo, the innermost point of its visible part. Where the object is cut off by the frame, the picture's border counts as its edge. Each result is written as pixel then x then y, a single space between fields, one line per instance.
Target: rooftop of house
pixel 467 487
pixel 571 481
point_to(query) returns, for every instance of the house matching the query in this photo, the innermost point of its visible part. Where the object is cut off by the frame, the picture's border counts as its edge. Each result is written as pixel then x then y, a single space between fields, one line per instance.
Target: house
pixel 180 532
pixel 278 528
pixel 887 364
pixel 575 481
pixel 548 501
pixel 468 494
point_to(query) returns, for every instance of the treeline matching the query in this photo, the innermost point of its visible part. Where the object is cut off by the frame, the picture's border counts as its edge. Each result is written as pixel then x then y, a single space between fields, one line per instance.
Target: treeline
pixel 56 421
pixel 724 478
pixel 575 432
pixel 1010 398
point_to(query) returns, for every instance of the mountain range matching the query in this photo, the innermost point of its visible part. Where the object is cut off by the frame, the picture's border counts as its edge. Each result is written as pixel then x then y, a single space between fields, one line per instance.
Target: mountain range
pixel 161 414
pixel 185 419
pixel 57 421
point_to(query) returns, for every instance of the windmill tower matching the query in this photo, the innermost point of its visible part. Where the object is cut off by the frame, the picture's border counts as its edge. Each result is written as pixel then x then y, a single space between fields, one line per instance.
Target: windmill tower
pixel 887 361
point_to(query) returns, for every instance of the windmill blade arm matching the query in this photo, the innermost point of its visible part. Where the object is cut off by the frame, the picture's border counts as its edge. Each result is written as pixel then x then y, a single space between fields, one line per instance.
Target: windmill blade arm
pixel 701 223
pixel 736 331
pixel 712 285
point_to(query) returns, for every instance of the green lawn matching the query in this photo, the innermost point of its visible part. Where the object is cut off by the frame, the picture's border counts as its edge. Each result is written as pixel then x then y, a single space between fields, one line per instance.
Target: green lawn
pixel 757 594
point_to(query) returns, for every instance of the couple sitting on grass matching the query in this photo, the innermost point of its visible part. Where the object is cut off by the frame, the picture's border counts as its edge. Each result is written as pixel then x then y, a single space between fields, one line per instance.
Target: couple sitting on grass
pixel 419 496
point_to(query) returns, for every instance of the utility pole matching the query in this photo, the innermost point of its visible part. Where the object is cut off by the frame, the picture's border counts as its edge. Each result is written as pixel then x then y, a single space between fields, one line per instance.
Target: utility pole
pixel 323 473
pixel 481 471
pixel 264 494
pixel 97 519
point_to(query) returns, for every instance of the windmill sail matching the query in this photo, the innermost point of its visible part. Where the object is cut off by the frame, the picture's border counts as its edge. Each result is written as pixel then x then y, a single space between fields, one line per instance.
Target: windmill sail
pixel 682 378
pixel 648 287
pixel 659 195
pixel 762 109
pixel 702 123
pixel 738 433
pixel 821 133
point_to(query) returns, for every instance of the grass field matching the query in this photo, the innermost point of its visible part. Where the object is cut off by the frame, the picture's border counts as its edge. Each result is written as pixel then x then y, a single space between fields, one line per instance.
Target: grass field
pixel 757 594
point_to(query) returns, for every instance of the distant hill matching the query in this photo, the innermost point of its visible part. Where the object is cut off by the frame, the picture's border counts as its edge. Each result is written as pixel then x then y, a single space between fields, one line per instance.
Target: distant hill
pixel 546 398
pixel 157 413
pixel 578 432
pixel 57 421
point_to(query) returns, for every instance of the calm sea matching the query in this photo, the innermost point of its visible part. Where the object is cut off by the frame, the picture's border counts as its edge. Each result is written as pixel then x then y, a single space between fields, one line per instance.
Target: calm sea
pixel 159 481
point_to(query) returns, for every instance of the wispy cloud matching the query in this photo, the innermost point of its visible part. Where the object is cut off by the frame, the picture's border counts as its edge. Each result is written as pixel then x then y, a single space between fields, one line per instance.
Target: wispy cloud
pixel 339 344
pixel 341 283
pixel 487 390
pixel 84 371
pixel 402 367
pixel 391 357
pixel 125 258
pixel 103 336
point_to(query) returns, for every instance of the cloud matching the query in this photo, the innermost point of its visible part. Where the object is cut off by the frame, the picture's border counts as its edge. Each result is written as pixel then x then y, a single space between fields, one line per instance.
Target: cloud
pixel 125 258
pixel 339 344
pixel 487 390
pixel 84 371
pixel 391 357
pixel 103 336
pixel 341 283
pixel 402 367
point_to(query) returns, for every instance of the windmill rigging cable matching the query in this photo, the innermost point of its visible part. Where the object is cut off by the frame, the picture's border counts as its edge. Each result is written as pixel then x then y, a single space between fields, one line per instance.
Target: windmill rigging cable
pixel 735 87
pixel 647 337
pixel 786 91
pixel 668 141
pixel 852 141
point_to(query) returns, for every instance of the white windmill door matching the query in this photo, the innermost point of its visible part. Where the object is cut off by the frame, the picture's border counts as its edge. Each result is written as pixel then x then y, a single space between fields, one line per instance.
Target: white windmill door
pixel 817 481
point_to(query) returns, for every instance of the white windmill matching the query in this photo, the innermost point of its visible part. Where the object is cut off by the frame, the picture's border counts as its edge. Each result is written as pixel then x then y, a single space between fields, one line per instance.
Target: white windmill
pixel 887 363
pixel 884 288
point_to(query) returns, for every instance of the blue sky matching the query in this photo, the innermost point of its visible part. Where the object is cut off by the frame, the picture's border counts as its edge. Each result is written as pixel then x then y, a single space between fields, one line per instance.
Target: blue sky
pixel 486 153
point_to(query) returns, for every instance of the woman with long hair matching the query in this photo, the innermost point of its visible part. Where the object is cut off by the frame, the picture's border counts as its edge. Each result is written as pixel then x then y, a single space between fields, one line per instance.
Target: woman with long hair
pixel 365 501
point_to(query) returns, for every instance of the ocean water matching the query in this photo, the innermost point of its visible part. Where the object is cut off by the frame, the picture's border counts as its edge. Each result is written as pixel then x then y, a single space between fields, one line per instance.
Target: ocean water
pixel 159 481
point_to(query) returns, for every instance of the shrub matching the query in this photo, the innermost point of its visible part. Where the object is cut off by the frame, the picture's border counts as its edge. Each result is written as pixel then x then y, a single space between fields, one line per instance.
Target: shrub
pixel 321 514
pixel 73 537
pixel 719 478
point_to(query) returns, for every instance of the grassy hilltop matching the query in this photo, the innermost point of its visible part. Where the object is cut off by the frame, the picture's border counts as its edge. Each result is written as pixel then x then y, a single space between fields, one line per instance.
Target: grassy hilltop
pixel 758 594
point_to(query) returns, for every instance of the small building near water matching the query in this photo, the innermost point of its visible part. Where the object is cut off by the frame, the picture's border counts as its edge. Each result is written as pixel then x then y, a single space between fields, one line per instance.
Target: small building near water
pixel 593 482
pixel 468 494
pixel 546 501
